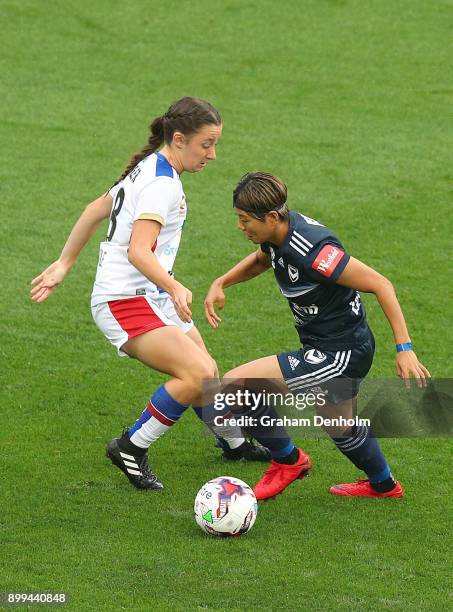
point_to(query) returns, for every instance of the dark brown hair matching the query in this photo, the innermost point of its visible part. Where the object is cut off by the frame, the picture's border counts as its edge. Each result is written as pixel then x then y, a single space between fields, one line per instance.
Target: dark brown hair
pixel 259 193
pixel 186 115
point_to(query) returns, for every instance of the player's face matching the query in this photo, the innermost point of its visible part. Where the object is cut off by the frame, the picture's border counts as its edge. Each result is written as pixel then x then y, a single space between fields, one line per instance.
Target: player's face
pixel 256 230
pixel 197 150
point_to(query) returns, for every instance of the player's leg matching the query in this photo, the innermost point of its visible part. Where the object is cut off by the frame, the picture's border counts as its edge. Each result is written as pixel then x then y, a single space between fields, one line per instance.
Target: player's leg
pixel 167 350
pixel 139 329
pixel 229 437
pixel 196 337
pixel 359 445
pixel 288 462
pixel 170 351
pixel 340 373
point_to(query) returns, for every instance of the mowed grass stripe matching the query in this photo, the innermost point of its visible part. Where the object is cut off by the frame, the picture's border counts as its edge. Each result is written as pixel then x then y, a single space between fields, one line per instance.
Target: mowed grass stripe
pixel 349 102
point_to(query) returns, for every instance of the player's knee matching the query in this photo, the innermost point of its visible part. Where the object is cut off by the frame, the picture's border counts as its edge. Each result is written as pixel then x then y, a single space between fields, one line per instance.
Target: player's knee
pixel 207 369
pixel 215 369
pixel 199 372
pixel 234 374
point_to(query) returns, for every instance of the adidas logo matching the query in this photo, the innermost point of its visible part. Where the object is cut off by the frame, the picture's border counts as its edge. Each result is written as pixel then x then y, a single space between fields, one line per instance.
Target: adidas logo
pixel 281 262
pixel 130 463
pixel 293 362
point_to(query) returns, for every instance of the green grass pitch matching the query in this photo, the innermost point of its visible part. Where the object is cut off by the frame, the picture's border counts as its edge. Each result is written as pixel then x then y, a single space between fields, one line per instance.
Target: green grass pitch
pixel 349 101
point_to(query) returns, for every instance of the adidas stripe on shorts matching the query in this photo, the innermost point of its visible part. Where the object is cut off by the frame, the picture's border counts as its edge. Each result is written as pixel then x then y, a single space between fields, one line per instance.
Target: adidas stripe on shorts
pixel 121 320
pixel 338 373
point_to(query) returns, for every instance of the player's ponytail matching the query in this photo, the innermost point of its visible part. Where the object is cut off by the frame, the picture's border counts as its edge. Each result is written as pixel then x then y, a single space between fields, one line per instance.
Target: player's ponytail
pixel 156 137
pixel 259 193
pixel 186 115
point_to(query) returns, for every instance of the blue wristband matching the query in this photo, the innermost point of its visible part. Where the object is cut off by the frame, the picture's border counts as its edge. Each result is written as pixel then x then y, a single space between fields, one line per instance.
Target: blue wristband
pixel 407 346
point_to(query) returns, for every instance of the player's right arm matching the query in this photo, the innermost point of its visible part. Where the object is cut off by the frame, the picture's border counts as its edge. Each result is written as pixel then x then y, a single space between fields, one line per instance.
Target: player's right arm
pixel 254 264
pixel 86 225
pixel 140 255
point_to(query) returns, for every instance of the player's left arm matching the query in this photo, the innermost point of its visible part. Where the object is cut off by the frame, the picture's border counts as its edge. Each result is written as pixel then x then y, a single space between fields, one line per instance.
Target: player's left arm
pixel 357 275
pixel 84 228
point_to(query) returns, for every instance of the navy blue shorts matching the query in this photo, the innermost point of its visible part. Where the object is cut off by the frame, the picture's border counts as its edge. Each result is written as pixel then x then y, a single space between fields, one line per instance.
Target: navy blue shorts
pixel 336 373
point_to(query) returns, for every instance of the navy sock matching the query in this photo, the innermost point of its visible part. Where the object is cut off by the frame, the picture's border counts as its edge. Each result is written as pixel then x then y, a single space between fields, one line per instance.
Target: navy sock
pixel 363 450
pixel 289 459
pixel 221 442
pixel 229 437
pixel 275 437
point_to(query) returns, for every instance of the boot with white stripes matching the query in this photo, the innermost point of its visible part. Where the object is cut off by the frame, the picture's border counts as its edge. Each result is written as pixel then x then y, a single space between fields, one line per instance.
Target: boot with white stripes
pixel 134 466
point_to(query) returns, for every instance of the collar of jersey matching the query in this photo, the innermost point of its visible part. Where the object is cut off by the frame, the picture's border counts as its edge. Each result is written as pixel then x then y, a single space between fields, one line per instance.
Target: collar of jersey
pixel 160 156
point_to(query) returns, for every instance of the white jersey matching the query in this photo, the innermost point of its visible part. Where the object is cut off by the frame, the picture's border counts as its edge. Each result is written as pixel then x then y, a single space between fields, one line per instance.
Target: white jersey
pixel 152 190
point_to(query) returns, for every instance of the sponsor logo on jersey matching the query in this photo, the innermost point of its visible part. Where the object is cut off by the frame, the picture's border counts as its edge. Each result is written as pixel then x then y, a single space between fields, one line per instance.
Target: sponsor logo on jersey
pixel 355 304
pixel 306 310
pixel 281 262
pixel 293 362
pixel 314 356
pixel 327 260
pixel 293 273
pixel 170 251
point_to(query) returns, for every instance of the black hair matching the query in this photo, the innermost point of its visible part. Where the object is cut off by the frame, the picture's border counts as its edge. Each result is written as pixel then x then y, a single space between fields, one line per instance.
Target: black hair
pixel 259 193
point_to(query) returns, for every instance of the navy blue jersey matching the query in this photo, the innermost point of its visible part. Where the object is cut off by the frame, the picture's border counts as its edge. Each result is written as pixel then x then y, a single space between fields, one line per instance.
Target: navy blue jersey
pixel 306 267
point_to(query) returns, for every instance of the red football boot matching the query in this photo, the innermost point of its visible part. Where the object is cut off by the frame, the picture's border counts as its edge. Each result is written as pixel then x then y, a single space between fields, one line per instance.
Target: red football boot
pixel 363 488
pixel 280 475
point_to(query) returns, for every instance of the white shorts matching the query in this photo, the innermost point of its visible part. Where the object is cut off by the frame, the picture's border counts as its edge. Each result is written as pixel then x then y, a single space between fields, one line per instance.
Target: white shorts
pixel 121 320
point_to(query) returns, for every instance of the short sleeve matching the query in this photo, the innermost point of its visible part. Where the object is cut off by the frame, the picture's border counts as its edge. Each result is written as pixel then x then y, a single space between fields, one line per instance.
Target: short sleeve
pixel 326 261
pixel 114 190
pixel 155 200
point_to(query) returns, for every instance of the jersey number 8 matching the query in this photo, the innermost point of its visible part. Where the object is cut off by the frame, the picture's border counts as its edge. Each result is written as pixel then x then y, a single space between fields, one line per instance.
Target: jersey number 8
pixel 115 212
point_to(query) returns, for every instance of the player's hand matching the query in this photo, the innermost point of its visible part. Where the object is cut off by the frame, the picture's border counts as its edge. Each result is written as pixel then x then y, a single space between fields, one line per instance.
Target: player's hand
pixel 182 299
pixel 407 364
pixel 215 296
pixel 48 281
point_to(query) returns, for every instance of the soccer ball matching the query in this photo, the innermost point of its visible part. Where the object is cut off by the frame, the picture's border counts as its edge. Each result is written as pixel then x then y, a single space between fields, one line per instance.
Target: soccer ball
pixel 225 506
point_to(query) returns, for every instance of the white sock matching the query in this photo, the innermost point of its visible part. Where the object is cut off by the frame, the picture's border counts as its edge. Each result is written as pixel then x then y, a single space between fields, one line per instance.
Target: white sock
pixel 232 435
pixel 148 433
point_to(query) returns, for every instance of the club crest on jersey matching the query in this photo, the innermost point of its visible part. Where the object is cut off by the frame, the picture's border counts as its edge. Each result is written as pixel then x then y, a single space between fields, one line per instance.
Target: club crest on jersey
pixel 314 356
pixel 293 362
pixel 327 260
pixel 293 273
